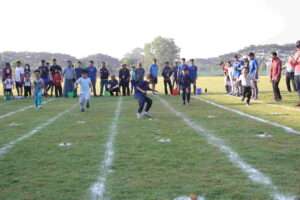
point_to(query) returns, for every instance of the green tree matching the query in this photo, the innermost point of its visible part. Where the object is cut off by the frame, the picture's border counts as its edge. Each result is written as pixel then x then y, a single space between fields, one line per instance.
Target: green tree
pixel 133 57
pixel 163 49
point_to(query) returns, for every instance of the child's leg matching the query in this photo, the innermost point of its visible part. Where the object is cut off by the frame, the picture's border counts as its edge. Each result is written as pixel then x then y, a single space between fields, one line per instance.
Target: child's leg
pixel 40 99
pixel 141 101
pixel 249 95
pixel 183 95
pixel 148 103
pixel 188 95
pixel 82 102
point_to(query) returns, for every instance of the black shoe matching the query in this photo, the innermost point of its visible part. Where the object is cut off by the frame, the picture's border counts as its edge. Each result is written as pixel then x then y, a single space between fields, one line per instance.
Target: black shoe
pixel 88 105
pixel 82 110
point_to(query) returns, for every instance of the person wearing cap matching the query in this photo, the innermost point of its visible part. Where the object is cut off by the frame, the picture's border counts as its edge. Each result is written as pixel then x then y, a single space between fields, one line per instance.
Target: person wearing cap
pixel 296 65
pixel 275 76
pixel 19 78
pixel 124 78
pixel 253 72
pixel 166 74
pixel 154 73
pixel 193 70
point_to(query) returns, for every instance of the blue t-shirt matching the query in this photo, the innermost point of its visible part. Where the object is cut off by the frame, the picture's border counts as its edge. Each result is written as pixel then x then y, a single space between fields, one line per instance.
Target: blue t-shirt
pixel 253 69
pixel 38 85
pixel 193 69
pixel 154 70
pixel 92 73
pixel 186 81
pixel 144 85
pixel 237 68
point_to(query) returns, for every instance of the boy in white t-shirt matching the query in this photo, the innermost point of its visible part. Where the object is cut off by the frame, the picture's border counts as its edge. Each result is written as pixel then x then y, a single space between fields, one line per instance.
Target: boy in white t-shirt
pixel 245 79
pixel 8 87
pixel 85 88
pixel 19 78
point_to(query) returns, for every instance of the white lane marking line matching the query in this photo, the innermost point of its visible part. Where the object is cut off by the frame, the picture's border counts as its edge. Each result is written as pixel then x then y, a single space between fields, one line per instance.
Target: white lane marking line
pixel 98 188
pixel 20 110
pixel 253 174
pixel 6 148
pixel 286 128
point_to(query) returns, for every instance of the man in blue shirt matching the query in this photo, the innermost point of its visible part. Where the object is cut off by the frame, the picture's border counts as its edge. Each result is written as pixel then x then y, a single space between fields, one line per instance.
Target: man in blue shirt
pixel 92 73
pixel 154 73
pixel 253 73
pixel 140 73
pixel 141 96
pixel 193 71
pixel 104 75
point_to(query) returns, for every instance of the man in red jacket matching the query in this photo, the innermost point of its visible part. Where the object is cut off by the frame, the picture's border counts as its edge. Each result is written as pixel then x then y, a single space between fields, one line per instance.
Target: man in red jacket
pixel 275 75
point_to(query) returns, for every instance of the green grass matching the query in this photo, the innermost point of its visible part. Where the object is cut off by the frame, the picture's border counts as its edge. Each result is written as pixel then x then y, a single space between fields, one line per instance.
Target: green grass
pixel 143 168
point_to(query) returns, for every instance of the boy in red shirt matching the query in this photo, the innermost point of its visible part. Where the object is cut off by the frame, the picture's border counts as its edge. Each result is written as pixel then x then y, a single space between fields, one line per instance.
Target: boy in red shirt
pixel 57 79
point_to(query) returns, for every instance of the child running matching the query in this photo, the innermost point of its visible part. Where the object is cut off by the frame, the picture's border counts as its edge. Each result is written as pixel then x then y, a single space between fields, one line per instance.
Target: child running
pixel 245 79
pixel 85 87
pixel 186 82
pixel 38 90
pixel 141 96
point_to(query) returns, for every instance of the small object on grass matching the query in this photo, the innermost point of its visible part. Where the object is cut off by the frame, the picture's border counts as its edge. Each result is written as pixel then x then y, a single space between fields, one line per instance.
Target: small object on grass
pixel 194 197
pixel 13 124
pixel 211 116
pixel 164 140
pixel 264 135
pixel 65 144
pixel 81 122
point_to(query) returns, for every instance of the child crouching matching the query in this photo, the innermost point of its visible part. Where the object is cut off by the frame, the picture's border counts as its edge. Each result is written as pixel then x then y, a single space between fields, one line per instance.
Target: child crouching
pixel 141 96
pixel 85 87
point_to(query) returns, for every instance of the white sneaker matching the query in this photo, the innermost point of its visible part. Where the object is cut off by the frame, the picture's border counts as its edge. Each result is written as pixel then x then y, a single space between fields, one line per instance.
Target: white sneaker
pixel 139 116
pixel 146 114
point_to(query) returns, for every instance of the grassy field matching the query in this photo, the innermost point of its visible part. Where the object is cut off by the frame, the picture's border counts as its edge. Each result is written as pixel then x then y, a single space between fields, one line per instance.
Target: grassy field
pixel 199 148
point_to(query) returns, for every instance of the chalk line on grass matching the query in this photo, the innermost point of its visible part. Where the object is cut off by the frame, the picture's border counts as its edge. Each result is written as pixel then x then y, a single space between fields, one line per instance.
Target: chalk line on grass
pixel 97 190
pixel 20 110
pixel 286 128
pixel 253 174
pixel 6 148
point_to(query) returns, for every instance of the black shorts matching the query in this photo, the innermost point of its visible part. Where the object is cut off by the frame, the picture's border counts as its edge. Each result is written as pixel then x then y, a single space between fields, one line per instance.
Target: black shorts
pixel 154 80
pixel 19 84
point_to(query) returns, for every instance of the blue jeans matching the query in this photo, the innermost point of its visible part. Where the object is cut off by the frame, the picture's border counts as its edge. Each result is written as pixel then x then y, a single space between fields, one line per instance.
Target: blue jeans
pixel 103 84
pixel 38 98
pixel 142 100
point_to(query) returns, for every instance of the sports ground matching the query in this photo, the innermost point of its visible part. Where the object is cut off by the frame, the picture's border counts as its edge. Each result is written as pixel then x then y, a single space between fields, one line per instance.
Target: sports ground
pixel 216 148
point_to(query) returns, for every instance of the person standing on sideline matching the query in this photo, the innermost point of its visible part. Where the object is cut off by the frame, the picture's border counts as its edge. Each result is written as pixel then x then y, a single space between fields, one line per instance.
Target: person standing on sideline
pixel 275 76
pixel 124 77
pixel 237 70
pixel 140 72
pixel 154 73
pixel 57 79
pixel 193 74
pixel 54 67
pixel 69 77
pixel 186 82
pixel 253 71
pixel 296 65
pixel 38 86
pixel 166 74
pixel 78 72
pixel 44 74
pixel 6 72
pixel 290 75
pixel 175 74
pixel 104 75
pixel 132 78
pixel 19 78
pixel 92 73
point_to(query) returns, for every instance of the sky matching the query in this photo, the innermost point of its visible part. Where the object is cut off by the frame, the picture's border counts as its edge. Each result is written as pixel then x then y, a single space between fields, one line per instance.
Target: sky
pixel 201 28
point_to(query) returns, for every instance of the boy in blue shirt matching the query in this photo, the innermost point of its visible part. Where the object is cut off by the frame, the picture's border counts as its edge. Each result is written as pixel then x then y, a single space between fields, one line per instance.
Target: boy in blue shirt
pixel 85 87
pixel 38 86
pixel 253 72
pixel 141 96
pixel 186 82
pixel 193 71
pixel 92 74
pixel 154 73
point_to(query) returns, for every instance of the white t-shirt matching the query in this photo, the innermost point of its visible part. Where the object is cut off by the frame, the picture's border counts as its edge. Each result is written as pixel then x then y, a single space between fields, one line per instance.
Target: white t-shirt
pixel 84 85
pixel 246 81
pixel 8 84
pixel 19 73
